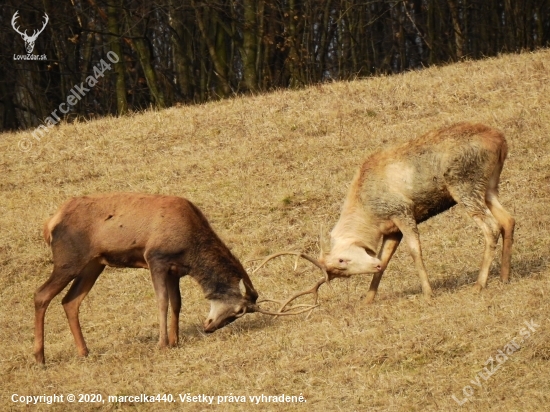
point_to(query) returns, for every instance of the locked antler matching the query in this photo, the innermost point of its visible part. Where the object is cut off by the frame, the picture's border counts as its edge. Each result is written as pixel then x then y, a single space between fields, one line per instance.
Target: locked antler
pixel 283 310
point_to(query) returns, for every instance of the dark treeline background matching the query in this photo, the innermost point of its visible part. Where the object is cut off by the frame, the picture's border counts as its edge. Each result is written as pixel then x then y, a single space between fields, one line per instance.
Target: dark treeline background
pixel 192 51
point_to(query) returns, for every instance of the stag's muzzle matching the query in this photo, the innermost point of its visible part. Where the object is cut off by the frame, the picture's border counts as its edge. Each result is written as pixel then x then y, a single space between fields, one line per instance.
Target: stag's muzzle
pixel 222 314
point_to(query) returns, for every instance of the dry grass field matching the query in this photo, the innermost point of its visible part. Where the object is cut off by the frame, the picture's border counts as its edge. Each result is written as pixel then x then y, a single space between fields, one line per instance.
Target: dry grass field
pixel 269 171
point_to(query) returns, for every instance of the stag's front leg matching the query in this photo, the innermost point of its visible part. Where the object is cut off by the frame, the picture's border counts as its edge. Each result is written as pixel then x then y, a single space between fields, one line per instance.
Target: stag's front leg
pixel 389 245
pixel 407 226
pixel 159 275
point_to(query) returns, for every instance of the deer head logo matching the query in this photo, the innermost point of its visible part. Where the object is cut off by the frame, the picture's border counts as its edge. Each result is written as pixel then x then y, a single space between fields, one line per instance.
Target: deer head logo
pixel 29 40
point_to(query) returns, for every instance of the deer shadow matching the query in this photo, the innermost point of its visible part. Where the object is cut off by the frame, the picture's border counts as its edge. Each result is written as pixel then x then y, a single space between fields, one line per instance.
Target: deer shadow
pixel 522 268
pixel 240 326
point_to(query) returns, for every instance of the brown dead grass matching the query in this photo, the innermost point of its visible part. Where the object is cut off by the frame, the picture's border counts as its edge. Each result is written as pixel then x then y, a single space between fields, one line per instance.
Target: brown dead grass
pixel 269 171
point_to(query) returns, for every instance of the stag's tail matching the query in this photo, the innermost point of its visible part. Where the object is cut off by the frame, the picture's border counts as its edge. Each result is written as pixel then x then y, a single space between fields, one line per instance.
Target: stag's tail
pixel 47 232
pixel 503 150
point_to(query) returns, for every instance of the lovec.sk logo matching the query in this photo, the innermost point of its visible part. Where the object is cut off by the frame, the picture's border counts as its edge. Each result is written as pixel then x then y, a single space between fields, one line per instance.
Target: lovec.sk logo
pixel 29 40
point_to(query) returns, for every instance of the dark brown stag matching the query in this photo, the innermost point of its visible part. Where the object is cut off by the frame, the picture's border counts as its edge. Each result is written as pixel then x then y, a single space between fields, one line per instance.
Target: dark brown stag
pixel 166 234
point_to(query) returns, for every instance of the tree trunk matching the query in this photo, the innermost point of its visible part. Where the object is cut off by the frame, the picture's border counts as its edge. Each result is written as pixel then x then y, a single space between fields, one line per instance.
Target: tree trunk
pixel 182 64
pixel 249 45
pixel 144 57
pixel 432 32
pixel 113 11
pixel 459 38
pixel 220 69
pixel 291 40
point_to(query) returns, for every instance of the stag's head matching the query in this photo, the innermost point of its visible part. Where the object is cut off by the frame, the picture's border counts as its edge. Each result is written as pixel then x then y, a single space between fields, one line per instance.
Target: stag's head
pixel 230 305
pixel 29 40
pixel 345 259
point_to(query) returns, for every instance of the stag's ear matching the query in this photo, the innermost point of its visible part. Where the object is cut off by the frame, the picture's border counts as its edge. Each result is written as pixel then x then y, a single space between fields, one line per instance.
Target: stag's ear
pixel 248 292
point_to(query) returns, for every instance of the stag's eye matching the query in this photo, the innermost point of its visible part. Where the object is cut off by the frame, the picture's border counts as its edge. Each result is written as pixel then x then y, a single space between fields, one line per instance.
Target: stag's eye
pixel 340 260
pixel 370 252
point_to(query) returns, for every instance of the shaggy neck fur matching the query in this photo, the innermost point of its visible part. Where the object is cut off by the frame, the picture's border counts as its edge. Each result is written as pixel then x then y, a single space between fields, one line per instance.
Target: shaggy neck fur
pixel 356 226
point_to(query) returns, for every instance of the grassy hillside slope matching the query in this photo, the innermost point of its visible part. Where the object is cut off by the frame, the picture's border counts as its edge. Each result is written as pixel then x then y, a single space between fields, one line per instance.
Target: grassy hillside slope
pixel 269 171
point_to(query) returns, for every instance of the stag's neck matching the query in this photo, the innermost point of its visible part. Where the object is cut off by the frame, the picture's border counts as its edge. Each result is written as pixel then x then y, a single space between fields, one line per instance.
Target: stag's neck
pixel 217 271
pixel 356 227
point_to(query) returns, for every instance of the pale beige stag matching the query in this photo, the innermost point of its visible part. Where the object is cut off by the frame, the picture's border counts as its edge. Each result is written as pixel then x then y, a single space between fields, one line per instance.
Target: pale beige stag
pixel 398 188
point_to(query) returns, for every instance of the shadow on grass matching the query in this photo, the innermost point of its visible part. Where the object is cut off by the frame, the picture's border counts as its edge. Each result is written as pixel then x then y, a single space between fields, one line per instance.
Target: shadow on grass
pixel 249 322
pixel 524 268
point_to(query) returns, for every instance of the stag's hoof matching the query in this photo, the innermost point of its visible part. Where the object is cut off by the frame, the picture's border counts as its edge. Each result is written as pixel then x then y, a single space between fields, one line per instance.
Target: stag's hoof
pixel 83 353
pixel 477 288
pixel 369 299
pixel 163 344
pixel 427 293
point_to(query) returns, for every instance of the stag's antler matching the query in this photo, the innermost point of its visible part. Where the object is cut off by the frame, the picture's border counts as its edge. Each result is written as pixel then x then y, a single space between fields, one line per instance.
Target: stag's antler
pixel 298 255
pixel 290 311
pixel 283 310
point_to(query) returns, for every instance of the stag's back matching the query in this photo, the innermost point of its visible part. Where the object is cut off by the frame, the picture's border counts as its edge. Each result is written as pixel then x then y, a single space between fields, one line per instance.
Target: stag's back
pixel 123 221
pixel 422 171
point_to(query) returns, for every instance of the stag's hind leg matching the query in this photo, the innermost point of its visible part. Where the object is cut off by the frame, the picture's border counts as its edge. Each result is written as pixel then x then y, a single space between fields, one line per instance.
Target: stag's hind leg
pixel 507 224
pixel 504 218
pixel 491 232
pixel 82 284
pixel 473 201
pixel 58 280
